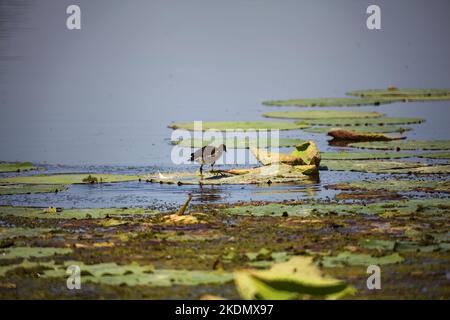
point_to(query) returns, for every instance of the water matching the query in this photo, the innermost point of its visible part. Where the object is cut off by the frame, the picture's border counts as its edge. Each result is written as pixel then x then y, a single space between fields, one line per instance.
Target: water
pixel 100 99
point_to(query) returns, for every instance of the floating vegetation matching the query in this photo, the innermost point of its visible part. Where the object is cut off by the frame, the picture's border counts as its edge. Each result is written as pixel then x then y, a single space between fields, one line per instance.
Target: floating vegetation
pixel 100 213
pixel 404 145
pixel 31 188
pixel 65 179
pixel 347 258
pixel 394 185
pixel 322 114
pixel 348 155
pixel 349 135
pixel 403 94
pixel 360 122
pixel 361 129
pixel 328 102
pixel 297 278
pixel 15 232
pixel 372 166
pixel 238 143
pixel 435 155
pixel 17 167
pixel 430 206
pixel 239 125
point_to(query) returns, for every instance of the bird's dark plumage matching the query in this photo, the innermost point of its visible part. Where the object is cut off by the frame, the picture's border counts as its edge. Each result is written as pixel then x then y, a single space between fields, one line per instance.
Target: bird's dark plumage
pixel 208 155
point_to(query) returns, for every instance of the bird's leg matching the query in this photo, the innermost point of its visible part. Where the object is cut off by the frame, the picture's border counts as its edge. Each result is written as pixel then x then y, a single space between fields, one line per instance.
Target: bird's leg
pixel 201 169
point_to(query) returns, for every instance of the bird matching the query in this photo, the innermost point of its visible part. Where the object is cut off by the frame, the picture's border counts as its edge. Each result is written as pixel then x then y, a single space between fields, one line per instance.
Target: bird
pixel 208 155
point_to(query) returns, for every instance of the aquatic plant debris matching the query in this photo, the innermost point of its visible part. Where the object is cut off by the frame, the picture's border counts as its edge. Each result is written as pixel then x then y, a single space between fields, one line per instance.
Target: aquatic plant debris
pixel 349 135
pixel 239 125
pixel 347 258
pixel 380 166
pixel 31 252
pixel 328 102
pixel 322 114
pixel 394 185
pixel 31 188
pixel 238 143
pixel 297 278
pixel 403 94
pixel 349 155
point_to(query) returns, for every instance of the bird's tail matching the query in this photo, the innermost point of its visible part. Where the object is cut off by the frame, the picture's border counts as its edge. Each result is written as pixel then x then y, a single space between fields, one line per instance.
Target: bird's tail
pixel 192 157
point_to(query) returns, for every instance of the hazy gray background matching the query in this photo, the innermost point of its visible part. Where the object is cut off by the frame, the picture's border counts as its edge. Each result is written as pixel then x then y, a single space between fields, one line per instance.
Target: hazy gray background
pixel 106 93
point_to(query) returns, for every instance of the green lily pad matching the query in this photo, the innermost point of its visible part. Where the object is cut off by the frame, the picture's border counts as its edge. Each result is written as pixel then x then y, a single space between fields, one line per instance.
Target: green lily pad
pixel 27 212
pixel 327 102
pixel 359 122
pixel 322 114
pixel 405 94
pixel 239 125
pixel 347 258
pixel 239 143
pixel 31 252
pixel 428 206
pixel 28 189
pixel 404 145
pixel 394 185
pixel 134 274
pixel 361 129
pixel 26 264
pixel 75 178
pixel 373 166
pixel 16 167
pixel 344 155
pixel 297 278
pixel 377 244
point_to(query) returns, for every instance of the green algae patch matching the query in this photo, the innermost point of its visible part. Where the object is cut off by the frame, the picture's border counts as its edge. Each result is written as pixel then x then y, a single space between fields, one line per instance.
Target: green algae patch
pixel 28 212
pixel 429 206
pixel 322 114
pixel 31 252
pixel 239 125
pixel 134 274
pixel 295 279
pixel 239 143
pixel 403 94
pixel 328 102
pixel 404 145
pixel 65 179
pixel 347 258
pixel 344 155
pixel 361 129
pixel 31 188
pixel 395 186
pixel 17 167
pixel 360 121
pixel 17 232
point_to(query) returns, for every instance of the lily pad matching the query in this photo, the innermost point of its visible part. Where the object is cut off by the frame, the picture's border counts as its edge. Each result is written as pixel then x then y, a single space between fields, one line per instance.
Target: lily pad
pixel 28 189
pixel 27 212
pixel 239 125
pixel 16 167
pixel 347 258
pixel 239 143
pixel 322 114
pixel 297 278
pixel 377 244
pixel 395 185
pixel 362 129
pixel 428 206
pixel 404 94
pixel 327 102
pixel 373 166
pixel 359 122
pixel 75 178
pixel 344 155
pixel 404 145
pixel 31 252
pixel 435 155
pixel 134 274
